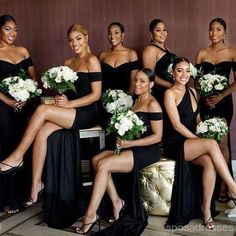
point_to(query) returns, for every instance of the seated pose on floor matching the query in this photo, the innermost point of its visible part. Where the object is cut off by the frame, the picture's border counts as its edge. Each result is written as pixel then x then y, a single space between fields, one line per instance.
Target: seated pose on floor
pixel 189 151
pixel 77 110
pixel 136 155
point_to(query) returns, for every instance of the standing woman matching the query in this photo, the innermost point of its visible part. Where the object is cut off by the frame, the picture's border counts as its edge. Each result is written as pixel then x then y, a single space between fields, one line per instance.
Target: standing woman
pixel 221 59
pixel 119 63
pixel 72 111
pixel 189 199
pixel 157 57
pixel 13 59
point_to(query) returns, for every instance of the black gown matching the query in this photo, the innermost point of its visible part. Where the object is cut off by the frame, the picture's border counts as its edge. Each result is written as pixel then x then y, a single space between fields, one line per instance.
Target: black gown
pixel 222 109
pixel 187 188
pixel 63 198
pixel 12 126
pixel 225 107
pixel 114 78
pixel 118 77
pixel 134 220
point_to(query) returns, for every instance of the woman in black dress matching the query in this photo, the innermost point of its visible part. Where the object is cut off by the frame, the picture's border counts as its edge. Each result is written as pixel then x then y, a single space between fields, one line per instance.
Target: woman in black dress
pixel 219 58
pixel 72 112
pixel 157 57
pixel 119 64
pixel 183 145
pixel 137 154
pixel 13 59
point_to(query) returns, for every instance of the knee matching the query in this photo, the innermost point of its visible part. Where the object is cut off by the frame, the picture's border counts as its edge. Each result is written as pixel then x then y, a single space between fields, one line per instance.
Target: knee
pixel 95 162
pixel 211 144
pixel 102 166
pixel 41 110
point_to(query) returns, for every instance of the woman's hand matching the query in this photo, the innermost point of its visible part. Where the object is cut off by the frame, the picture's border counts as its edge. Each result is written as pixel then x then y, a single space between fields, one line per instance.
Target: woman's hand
pixel 213 100
pixel 62 101
pixel 123 143
pixel 14 104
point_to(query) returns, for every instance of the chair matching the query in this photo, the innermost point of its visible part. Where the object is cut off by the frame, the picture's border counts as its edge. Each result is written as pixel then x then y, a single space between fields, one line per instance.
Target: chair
pixel 156 183
pixel 94 132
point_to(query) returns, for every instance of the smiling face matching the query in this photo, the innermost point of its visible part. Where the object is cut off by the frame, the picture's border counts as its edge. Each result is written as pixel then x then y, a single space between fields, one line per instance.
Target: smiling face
pixel 115 36
pixel 141 83
pixel 159 33
pixel 8 32
pixel 181 72
pixel 78 41
pixel 216 32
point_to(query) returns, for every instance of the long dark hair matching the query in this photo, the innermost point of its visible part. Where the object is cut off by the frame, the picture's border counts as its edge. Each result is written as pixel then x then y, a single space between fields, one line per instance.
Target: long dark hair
pixel 6 18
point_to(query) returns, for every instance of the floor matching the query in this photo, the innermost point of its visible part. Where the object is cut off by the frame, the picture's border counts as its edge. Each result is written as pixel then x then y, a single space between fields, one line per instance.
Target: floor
pixel 30 222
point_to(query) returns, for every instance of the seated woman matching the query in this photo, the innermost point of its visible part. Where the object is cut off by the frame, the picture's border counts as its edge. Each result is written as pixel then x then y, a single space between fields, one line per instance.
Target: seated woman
pixel 136 155
pixel 182 144
pixel 77 110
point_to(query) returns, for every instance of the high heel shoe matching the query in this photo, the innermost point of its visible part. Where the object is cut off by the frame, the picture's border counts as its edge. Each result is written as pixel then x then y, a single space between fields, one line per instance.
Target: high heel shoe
pixel 12 168
pixel 121 213
pixel 31 201
pixel 80 230
pixel 209 224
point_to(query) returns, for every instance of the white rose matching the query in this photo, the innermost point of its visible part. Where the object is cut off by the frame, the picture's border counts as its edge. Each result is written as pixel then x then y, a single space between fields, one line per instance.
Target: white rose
pixel 30 85
pixel 219 87
pixel 202 128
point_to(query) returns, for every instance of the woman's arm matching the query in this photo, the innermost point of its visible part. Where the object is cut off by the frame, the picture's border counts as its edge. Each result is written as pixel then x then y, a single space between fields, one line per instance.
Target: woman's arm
pixel 149 58
pixel 93 65
pixel 7 100
pixel 133 57
pixel 156 127
pixel 173 114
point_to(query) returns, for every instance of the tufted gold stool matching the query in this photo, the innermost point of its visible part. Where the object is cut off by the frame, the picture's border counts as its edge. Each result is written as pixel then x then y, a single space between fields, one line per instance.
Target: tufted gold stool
pixel 156 186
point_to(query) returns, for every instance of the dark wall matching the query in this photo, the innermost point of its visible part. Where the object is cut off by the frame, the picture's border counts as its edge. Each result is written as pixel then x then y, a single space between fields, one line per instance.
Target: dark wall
pixel 43 24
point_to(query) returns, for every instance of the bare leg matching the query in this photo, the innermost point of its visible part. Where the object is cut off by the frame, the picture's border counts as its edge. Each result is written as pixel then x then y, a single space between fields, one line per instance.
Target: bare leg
pixel 208 182
pixel 117 202
pixel 225 151
pixel 112 164
pixel 210 147
pixel 60 116
pixel 39 155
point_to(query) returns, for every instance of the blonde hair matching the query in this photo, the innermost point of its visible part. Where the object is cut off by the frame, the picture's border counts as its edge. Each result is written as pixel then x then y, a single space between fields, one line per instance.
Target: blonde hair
pixel 78 28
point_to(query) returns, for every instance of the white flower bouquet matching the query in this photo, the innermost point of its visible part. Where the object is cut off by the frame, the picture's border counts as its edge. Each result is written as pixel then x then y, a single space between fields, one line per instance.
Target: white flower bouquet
pixel 59 78
pixel 193 70
pixel 127 125
pixel 210 84
pixel 116 100
pixel 20 87
pixel 213 128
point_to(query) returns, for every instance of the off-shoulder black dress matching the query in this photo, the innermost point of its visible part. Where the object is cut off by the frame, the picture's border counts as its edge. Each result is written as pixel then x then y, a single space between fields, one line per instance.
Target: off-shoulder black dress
pixel 63 198
pixel 134 220
pixel 12 126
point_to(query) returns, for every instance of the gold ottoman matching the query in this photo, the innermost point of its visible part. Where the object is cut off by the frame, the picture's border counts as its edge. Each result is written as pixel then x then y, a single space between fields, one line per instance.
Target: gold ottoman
pixel 156 186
